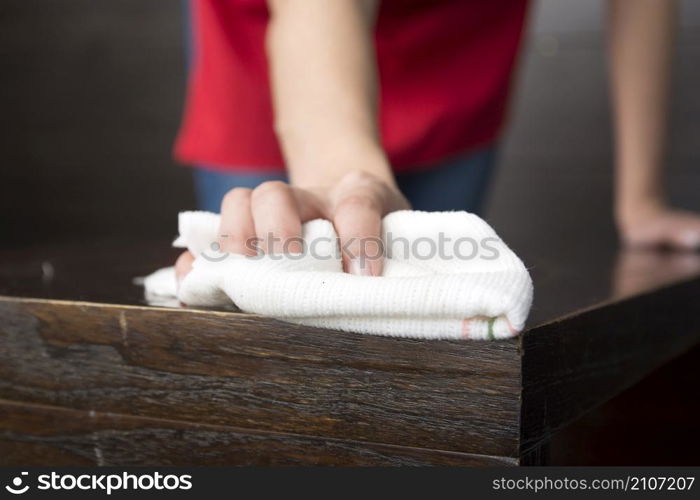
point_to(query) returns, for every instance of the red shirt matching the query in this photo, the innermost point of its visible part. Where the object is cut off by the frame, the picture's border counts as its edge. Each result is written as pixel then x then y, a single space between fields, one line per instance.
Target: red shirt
pixel 444 70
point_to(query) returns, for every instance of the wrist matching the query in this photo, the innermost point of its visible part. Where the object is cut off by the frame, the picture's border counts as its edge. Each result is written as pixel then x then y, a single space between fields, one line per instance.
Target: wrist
pixel 631 211
pixel 328 162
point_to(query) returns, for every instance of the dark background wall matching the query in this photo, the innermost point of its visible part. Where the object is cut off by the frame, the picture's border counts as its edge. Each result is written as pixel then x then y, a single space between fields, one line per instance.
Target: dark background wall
pixel 556 168
pixel 91 93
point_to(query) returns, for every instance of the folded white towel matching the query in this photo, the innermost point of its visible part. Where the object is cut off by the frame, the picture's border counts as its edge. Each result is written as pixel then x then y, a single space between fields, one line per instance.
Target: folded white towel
pixel 446 275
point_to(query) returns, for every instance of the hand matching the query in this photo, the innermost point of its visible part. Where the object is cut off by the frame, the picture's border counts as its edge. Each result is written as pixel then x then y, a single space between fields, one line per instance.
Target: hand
pixel 274 212
pixel 660 226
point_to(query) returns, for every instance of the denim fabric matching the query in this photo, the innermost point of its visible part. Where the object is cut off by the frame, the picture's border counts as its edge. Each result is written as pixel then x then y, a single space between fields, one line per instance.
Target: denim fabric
pixel 456 184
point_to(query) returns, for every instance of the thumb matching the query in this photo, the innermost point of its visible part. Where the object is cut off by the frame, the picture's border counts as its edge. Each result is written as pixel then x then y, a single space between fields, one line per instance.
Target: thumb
pixel 358 222
pixel 183 266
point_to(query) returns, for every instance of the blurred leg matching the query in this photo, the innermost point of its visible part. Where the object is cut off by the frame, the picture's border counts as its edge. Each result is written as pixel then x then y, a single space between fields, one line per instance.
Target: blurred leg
pixel 211 185
pixel 456 184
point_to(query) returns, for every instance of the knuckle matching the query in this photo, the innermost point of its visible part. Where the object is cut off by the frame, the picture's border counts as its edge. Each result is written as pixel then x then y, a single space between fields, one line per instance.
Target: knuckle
pixel 357 177
pixel 236 195
pixel 268 188
pixel 358 201
pixel 233 236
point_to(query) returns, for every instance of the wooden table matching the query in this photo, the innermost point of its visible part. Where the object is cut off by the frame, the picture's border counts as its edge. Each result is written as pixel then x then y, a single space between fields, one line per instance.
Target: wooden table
pixel 90 374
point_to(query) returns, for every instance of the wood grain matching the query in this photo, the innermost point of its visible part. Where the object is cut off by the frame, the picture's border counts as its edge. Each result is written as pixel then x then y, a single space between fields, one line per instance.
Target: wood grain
pixel 44 435
pixel 256 373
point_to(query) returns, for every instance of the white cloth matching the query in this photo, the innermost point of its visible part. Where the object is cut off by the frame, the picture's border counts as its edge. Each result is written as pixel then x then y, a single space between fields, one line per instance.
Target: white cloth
pixel 428 289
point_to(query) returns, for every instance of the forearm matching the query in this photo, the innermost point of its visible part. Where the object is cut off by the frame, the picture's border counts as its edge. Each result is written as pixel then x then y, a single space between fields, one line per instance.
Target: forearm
pixel 641 37
pixel 324 86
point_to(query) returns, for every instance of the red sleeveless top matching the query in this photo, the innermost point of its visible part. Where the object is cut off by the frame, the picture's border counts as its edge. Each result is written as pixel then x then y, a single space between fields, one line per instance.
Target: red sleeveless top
pixel 444 67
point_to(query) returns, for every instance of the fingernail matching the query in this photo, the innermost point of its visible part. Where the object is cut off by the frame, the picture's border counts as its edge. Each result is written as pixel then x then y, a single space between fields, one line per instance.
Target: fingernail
pixel 360 267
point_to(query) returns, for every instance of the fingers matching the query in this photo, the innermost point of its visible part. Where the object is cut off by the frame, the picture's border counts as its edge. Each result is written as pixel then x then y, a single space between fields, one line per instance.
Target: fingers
pixel 684 236
pixel 267 218
pixel 358 221
pixel 183 265
pixel 236 228
pixel 271 208
pixel 674 230
pixel 277 218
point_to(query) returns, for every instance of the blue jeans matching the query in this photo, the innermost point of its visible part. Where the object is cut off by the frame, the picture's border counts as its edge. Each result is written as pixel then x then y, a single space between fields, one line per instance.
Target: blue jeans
pixel 456 184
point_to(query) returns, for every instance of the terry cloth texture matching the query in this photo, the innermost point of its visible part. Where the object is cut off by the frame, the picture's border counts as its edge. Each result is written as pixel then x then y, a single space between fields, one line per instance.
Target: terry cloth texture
pixel 446 275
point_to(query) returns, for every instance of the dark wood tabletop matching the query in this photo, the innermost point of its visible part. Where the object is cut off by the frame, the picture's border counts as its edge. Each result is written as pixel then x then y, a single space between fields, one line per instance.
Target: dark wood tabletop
pixel 85 359
pixel 568 277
